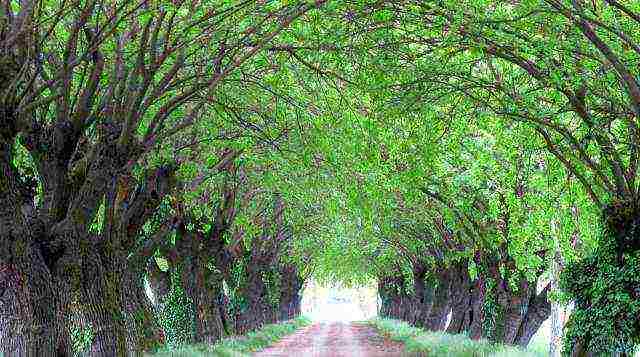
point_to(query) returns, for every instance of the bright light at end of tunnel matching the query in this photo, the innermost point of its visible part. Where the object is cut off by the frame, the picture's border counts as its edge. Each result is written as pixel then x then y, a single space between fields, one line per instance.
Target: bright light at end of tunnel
pixel 336 303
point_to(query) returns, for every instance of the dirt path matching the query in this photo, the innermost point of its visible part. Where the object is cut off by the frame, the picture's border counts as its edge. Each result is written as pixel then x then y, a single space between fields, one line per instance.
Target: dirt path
pixel 335 339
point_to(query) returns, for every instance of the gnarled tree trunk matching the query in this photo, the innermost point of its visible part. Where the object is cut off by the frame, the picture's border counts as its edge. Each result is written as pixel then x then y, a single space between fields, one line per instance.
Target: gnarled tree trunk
pixel 256 310
pixel 203 290
pixel 440 305
pixel 290 286
pixel 144 333
pixel 397 303
pixel 32 319
pixel 538 311
pixel 477 311
pixel 461 296
pixel 31 301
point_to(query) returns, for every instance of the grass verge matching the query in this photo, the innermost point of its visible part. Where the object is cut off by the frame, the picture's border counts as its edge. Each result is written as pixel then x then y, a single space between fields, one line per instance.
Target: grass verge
pixel 436 344
pixel 239 346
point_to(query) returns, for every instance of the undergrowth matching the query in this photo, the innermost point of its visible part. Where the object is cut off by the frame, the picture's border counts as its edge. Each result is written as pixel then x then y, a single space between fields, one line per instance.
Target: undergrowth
pixel 436 344
pixel 239 346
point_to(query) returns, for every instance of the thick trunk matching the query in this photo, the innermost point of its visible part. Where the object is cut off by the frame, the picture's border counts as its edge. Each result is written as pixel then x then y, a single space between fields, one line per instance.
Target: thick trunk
pixel 250 319
pixel 409 309
pixel 143 329
pixel 204 293
pixel 477 312
pixel 461 308
pixel 290 286
pixel 538 311
pixel 511 316
pixel 30 324
pixel 110 302
pixel 580 351
pixel 120 316
pixel 159 284
pixel 461 316
pixel 255 313
pixel 397 303
pixel 439 300
pixel 209 325
pixel 101 307
pixel 29 300
pixel 436 319
pixel 423 296
pixel 515 308
pixel 386 291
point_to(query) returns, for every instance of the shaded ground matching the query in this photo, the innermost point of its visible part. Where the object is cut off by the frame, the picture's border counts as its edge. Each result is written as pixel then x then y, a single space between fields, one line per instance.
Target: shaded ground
pixel 335 339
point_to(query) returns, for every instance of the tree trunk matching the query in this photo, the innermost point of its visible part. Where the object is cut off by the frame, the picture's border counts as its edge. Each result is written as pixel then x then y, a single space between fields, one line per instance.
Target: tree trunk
pixel 386 293
pixel 225 315
pixel 397 303
pixel 517 305
pixel 557 313
pixel 144 333
pixel 579 350
pixel 461 308
pixel 253 316
pixel 31 312
pixel 436 319
pixel 538 311
pixel 290 286
pixel 103 310
pixel 423 298
pixel 209 328
pixel 202 288
pixel 477 312
pixel 440 308
pixel 31 307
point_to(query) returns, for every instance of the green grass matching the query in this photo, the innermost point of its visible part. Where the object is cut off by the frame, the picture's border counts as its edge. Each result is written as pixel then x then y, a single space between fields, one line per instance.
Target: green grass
pixel 435 344
pixel 239 345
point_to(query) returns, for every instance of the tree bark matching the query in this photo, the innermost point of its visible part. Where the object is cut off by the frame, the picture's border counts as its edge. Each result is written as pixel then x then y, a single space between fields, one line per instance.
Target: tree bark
pixel 255 313
pixel 515 307
pixel 189 269
pixel 436 318
pixel 386 293
pixel 203 291
pixel 397 303
pixel 102 308
pixel 31 303
pixel 477 312
pixel 144 333
pixel 31 316
pixel 290 286
pixel 538 311
pixel 461 296
pixel 422 296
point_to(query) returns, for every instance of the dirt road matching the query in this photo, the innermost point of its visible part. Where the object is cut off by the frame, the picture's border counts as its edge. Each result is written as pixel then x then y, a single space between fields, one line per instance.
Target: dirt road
pixel 335 339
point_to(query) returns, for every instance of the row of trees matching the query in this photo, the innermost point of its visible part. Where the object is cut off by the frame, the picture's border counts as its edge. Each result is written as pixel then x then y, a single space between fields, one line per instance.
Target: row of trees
pixel 500 137
pixel 216 152
pixel 131 134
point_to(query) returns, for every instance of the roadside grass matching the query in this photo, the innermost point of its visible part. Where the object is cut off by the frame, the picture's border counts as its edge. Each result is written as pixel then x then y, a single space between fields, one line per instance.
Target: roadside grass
pixel 239 346
pixel 436 344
